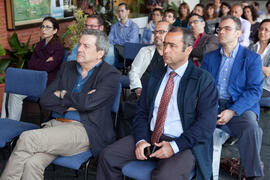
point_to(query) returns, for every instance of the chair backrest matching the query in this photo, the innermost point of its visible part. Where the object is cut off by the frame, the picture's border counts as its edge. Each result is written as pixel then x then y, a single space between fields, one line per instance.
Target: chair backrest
pixel 132 49
pixel 116 103
pixel 65 57
pixel 25 82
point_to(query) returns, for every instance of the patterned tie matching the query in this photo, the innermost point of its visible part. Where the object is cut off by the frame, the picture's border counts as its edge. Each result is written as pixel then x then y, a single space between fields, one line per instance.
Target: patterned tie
pixel 162 109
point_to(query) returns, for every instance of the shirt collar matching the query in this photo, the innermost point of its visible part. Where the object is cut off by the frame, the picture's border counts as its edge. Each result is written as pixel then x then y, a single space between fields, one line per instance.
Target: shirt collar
pixel 233 54
pixel 179 71
pixel 127 23
pixel 79 68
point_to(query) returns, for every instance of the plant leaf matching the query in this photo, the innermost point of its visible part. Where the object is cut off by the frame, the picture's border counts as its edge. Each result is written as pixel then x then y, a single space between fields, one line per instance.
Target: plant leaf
pixel 4 63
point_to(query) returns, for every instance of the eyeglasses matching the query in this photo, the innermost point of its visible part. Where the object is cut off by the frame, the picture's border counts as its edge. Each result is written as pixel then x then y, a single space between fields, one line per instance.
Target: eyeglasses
pixel 194 22
pixel 159 32
pixel 226 28
pixel 264 29
pixel 91 26
pixel 46 27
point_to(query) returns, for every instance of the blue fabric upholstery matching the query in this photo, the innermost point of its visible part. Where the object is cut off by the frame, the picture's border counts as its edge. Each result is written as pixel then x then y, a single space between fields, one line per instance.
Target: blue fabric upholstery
pixel 141 170
pixel 132 49
pixel 73 162
pixel 116 103
pixel 124 81
pixel 25 82
pixel 265 102
pixel 11 128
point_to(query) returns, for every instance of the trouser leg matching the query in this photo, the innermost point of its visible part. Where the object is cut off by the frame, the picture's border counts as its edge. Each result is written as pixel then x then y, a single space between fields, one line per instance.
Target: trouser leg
pixel 114 157
pixel 246 128
pixel 177 167
pixel 57 138
pixel 34 167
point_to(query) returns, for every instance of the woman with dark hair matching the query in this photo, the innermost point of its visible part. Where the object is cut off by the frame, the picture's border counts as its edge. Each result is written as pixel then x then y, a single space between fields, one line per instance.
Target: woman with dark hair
pixel 262 47
pixel 225 9
pixel 184 11
pixel 211 18
pixel 250 14
pixel 47 56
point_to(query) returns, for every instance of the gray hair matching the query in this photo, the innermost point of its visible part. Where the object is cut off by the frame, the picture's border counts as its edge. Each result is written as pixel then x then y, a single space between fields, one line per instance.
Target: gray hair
pixel 102 42
pixel 188 39
pixel 236 21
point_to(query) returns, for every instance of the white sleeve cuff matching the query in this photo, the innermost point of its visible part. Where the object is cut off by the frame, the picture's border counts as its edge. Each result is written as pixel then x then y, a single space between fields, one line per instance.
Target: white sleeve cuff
pixel 174 147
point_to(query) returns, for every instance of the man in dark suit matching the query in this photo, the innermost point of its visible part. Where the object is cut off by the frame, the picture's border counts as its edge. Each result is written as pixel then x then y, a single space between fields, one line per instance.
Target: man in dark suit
pixel 239 79
pixel 81 98
pixel 176 112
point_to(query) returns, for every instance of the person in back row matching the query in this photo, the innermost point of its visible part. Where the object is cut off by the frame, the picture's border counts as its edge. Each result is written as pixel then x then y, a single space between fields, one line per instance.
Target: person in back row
pixel 47 56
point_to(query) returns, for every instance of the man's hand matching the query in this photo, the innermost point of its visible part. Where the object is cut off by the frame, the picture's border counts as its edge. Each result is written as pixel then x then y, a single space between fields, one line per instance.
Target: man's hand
pixel 165 150
pixel 225 116
pixel 139 151
pixel 63 93
pixel 138 92
pixel 57 93
pixel 49 59
pixel 92 91
pixel 71 109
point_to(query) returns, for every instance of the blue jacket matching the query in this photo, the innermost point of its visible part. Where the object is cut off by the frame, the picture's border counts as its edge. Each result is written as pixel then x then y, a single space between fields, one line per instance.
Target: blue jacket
pixel 246 79
pixel 197 104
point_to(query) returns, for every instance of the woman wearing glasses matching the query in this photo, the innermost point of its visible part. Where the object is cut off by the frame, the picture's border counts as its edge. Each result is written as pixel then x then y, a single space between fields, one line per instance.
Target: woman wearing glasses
pixel 262 47
pixel 47 56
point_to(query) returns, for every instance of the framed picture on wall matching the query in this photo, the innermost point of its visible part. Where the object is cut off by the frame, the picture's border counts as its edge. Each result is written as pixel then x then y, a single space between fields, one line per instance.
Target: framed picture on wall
pixel 26 13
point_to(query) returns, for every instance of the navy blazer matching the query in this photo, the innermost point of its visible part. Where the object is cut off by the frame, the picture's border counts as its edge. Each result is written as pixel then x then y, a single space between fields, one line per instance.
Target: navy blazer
pixel 246 79
pixel 94 109
pixel 197 104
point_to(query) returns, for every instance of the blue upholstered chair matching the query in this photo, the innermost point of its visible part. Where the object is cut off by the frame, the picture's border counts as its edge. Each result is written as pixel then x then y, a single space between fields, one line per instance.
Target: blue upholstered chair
pixel 23 82
pixel 141 170
pixel 82 160
pixel 265 102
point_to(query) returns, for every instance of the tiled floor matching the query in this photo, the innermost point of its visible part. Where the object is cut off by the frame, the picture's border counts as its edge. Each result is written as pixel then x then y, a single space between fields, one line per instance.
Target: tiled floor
pixel 66 174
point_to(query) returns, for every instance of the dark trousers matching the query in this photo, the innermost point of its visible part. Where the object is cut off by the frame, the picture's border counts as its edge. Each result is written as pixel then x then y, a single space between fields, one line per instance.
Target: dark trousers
pixel 245 127
pixel 115 156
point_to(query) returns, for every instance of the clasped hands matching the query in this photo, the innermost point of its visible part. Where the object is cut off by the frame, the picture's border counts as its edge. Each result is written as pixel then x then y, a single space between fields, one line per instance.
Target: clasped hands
pixel 165 150
pixel 225 116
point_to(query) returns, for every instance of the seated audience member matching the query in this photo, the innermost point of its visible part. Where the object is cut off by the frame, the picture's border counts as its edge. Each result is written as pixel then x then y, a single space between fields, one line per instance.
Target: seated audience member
pixel 250 14
pixel 170 16
pixel 148 36
pixel 198 9
pixel 262 47
pixel 217 5
pixel 256 5
pixel 47 56
pixel 224 9
pixel 267 14
pixel 244 4
pixel 147 58
pixel 237 11
pixel 94 22
pixel 238 74
pixel 81 98
pixel 211 18
pixel 203 42
pixel 123 31
pixel 183 133
pixel 151 5
pixel 182 20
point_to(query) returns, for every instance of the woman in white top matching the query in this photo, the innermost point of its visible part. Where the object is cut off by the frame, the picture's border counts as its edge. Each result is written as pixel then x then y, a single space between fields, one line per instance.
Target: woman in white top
pixel 262 47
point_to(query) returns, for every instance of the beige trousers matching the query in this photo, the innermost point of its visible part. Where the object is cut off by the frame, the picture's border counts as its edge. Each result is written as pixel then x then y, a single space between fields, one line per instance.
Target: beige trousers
pixel 36 149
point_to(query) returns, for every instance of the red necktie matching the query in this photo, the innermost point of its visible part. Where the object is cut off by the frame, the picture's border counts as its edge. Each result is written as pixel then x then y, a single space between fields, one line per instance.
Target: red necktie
pixel 162 109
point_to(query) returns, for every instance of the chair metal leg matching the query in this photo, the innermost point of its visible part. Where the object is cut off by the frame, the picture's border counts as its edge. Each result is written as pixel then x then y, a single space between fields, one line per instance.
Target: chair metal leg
pixel 86 169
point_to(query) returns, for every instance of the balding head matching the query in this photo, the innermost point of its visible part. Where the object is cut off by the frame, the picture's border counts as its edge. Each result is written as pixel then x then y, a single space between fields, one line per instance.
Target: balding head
pixel 236 10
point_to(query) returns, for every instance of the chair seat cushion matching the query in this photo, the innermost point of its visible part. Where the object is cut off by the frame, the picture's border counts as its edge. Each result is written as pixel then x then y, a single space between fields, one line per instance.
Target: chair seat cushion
pixel 140 170
pixel 10 129
pixel 73 162
pixel 265 102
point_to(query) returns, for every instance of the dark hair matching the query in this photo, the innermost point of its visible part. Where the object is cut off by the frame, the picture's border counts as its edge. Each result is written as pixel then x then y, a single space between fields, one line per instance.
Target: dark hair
pixel 98 18
pixel 124 4
pixel 186 6
pixel 210 5
pixel 159 10
pixel 253 12
pixel 268 2
pixel 188 39
pixel 55 26
pixel 256 4
pixel 102 42
pixel 224 4
pixel 199 5
pixel 236 21
pixel 201 18
pixel 256 37
pixel 171 11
